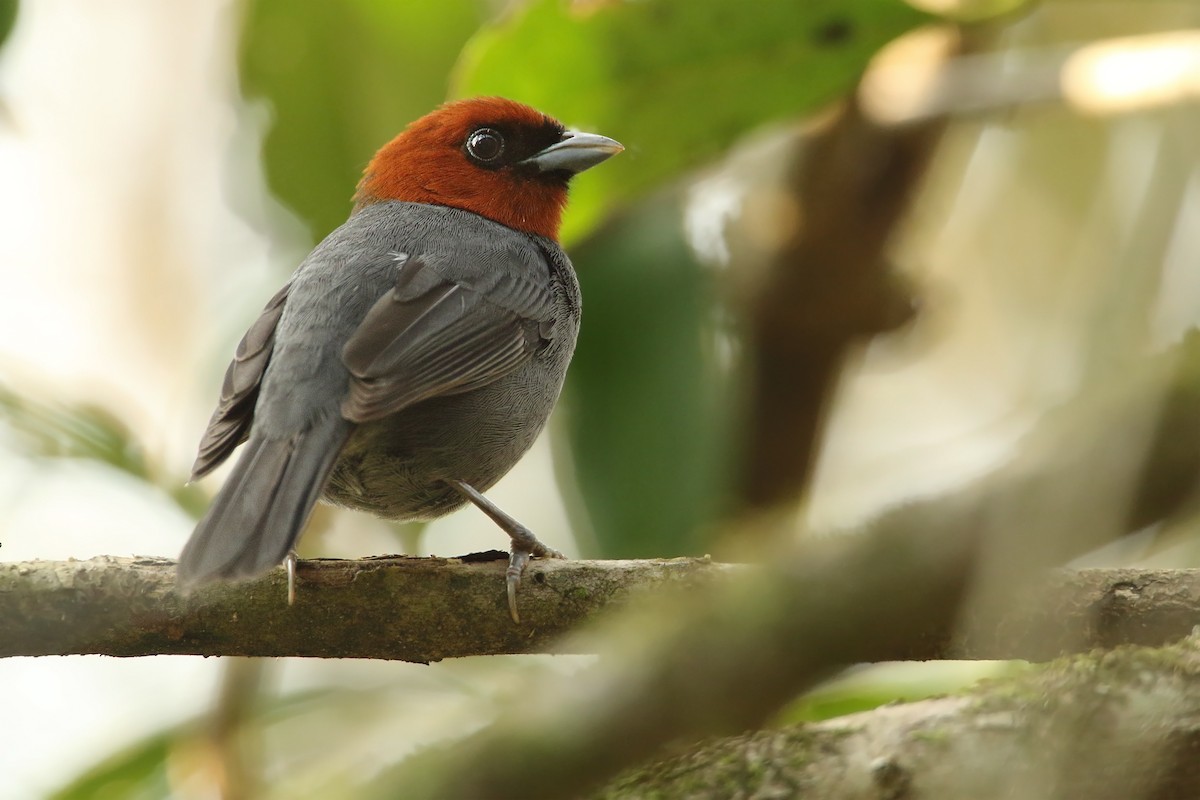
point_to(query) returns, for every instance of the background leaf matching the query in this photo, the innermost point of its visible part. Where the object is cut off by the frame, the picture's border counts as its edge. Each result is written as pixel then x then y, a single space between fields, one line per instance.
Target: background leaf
pixel 675 81
pixel 50 430
pixel 8 18
pixel 340 79
pixel 647 405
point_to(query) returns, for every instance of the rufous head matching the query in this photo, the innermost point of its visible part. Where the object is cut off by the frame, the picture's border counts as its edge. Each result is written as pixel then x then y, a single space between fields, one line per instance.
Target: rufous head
pixel 495 157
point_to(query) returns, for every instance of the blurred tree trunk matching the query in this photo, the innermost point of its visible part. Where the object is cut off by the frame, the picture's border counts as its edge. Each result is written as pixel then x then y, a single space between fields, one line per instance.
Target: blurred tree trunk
pixel 828 286
pixel 1103 726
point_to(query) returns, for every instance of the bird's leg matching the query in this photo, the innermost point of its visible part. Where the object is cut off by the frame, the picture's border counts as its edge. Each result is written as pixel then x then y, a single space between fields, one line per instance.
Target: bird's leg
pixel 289 563
pixel 524 544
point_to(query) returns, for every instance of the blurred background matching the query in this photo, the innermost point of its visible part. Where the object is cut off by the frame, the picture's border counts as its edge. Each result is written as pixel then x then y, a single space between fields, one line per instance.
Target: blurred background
pixel 806 297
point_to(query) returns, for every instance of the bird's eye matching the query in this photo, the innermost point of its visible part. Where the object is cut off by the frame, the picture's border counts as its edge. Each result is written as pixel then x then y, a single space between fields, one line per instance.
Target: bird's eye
pixel 485 145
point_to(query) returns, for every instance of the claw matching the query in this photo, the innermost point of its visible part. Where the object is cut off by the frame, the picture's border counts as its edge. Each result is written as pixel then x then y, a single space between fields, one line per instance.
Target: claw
pixel 525 546
pixel 518 559
pixel 290 564
pixel 513 583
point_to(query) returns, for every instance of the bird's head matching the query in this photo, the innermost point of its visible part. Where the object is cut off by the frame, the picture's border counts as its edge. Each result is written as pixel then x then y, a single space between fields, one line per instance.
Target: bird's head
pixel 495 157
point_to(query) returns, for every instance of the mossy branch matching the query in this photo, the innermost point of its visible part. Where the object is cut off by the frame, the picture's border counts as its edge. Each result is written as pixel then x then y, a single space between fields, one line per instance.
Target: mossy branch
pixel 427 609
pixel 409 609
pixel 1104 726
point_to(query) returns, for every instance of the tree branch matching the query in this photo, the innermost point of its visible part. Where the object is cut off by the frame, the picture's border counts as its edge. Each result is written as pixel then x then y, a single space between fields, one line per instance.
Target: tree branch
pixel 427 609
pixel 1103 726
pixel 410 609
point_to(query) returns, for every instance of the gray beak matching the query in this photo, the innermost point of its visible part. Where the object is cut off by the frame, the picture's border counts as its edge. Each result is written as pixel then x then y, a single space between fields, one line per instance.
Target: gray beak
pixel 575 152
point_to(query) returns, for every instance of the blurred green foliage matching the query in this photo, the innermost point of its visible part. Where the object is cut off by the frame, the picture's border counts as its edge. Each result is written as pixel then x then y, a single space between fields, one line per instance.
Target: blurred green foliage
pixel 139 773
pixel 675 81
pixel 54 430
pixel 879 684
pixel 340 79
pixel 143 770
pixel 8 18
pixel 49 430
pixel 647 404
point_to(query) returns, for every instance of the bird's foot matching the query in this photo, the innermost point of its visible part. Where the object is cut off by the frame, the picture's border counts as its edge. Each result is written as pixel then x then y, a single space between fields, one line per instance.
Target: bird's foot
pixel 524 544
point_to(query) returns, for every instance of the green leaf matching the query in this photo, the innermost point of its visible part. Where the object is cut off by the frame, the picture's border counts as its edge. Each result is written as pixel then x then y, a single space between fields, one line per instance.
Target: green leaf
pixel 51 430
pixel 676 81
pixel 142 770
pixel 136 773
pixel 55 430
pixel 340 80
pixel 880 684
pixel 8 18
pixel 647 413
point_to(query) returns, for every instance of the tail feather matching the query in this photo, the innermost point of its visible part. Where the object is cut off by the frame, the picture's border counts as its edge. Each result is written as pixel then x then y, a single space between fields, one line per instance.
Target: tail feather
pixel 259 513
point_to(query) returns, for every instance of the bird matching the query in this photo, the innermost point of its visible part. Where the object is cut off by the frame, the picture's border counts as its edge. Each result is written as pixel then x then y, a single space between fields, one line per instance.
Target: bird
pixel 416 352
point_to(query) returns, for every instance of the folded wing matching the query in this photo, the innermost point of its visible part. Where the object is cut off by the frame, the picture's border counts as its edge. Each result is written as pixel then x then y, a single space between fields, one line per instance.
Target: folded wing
pixel 230 423
pixel 432 335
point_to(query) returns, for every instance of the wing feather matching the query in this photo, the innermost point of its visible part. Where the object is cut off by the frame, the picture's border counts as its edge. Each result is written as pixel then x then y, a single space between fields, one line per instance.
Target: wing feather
pixel 230 423
pixel 431 335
